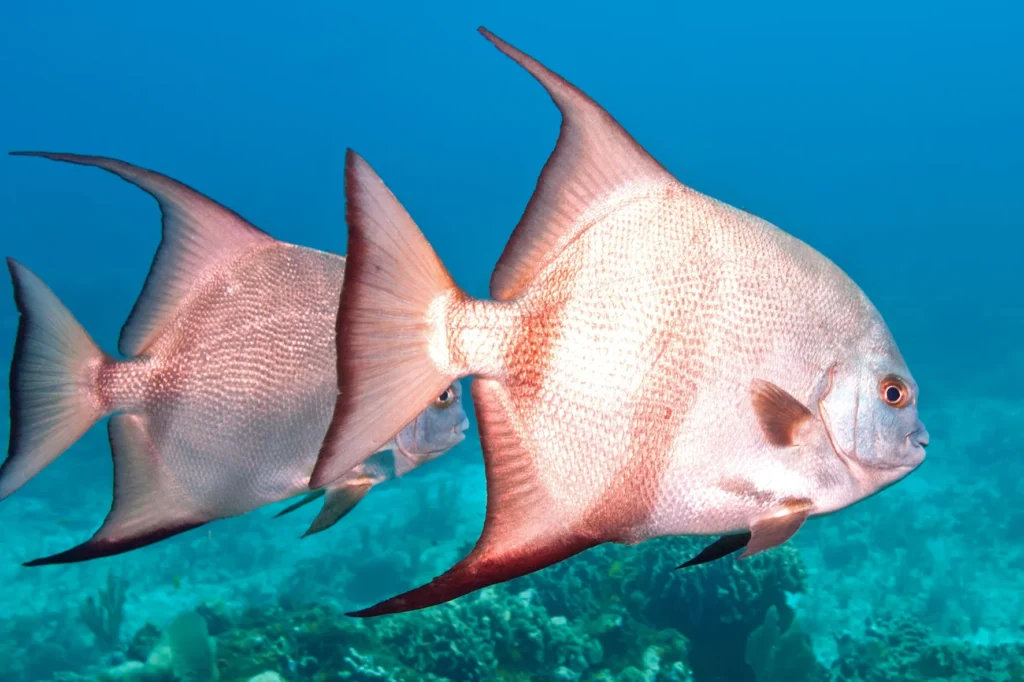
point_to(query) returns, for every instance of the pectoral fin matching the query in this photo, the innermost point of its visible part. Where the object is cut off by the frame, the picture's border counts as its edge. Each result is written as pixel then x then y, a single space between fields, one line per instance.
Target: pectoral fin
pixel 403 464
pixel 780 415
pixel 774 530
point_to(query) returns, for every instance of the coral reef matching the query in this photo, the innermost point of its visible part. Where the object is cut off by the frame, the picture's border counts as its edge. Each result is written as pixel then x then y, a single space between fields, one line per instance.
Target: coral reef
pixel 896 647
pixel 778 654
pixel 498 635
pixel 104 613
pixel 716 605
pixel 615 613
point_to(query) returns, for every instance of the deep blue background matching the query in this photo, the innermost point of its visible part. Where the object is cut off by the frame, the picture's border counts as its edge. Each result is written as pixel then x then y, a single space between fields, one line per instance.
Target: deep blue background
pixel 889 139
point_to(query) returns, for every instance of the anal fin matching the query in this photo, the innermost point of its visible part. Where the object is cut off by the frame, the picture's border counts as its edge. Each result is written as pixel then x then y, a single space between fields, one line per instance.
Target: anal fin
pixel 147 506
pixel 773 530
pixel 780 415
pixel 521 533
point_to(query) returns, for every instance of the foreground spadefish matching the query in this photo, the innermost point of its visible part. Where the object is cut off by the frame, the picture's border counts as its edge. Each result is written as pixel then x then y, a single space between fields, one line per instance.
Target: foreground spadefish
pixel 655 362
pixel 228 388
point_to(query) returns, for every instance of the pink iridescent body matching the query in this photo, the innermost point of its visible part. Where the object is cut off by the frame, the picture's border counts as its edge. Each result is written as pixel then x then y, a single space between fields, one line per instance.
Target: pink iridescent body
pixel 238 389
pixel 654 362
pixel 227 390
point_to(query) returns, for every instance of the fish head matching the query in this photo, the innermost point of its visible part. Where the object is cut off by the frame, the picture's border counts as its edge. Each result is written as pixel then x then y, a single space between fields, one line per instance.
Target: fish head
pixel 870 411
pixel 437 429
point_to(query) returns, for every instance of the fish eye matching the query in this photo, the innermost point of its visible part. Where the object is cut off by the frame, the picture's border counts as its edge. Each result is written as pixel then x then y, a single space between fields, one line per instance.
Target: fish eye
pixel 446 398
pixel 894 391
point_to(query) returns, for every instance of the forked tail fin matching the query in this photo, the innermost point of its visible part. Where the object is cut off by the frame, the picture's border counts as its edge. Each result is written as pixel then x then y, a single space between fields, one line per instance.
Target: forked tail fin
pixel 387 326
pixel 52 383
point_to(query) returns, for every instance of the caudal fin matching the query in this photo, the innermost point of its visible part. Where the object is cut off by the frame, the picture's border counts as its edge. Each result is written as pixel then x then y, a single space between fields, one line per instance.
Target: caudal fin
pixel 52 383
pixel 394 283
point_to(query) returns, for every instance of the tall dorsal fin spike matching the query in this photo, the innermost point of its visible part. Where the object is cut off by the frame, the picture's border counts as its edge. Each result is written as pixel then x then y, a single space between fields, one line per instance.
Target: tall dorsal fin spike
pixel 593 158
pixel 198 233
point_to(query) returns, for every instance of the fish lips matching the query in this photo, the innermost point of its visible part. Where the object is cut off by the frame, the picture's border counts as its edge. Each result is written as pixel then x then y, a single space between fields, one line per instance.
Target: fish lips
pixel 460 432
pixel 912 456
pixel 918 441
pixel 914 453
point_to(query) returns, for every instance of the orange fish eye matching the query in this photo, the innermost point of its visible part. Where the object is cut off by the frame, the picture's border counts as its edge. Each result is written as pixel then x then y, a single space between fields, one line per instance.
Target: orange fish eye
pixel 894 391
pixel 446 398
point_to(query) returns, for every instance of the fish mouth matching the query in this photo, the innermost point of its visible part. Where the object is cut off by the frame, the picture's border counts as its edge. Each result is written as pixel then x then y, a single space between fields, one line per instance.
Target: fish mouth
pixel 914 456
pixel 459 432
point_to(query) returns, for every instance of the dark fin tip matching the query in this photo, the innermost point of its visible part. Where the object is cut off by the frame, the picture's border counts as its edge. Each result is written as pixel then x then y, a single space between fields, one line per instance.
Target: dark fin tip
pixel 15 436
pixel 779 413
pixel 97 549
pixel 473 573
pixel 302 502
pixel 722 547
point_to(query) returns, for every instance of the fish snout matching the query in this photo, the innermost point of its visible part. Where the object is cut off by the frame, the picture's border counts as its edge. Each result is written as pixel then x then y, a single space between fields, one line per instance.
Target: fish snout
pixel 916 442
pixel 459 432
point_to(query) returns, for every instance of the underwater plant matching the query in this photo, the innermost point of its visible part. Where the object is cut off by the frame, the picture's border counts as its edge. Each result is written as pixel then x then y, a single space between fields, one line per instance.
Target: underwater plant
pixel 104 612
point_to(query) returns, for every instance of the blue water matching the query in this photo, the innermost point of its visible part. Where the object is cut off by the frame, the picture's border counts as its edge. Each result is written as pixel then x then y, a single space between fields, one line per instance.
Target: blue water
pixel 890 139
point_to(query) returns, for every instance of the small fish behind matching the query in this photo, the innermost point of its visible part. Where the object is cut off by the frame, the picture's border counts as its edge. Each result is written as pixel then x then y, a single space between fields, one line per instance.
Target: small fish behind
pixel 654 362
pixel 408 450
pixel 228 385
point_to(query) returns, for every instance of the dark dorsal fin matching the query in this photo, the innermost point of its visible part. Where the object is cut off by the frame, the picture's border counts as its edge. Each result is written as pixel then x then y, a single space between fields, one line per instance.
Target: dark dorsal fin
pixel 594 157
pixel 197 233
pixel 779 414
